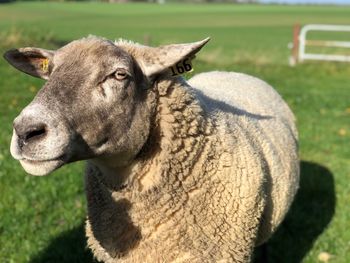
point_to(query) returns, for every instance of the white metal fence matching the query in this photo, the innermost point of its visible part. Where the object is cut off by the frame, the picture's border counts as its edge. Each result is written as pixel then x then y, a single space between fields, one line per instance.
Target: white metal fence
pixel 303 42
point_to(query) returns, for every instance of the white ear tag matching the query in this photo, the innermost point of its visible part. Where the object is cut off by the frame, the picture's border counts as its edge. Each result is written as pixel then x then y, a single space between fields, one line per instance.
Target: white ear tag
pixel 182 67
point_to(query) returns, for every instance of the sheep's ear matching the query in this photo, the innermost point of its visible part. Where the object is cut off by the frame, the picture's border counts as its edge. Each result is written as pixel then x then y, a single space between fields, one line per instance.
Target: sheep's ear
pixel 157 60
pixel 33 61
pixel 160 59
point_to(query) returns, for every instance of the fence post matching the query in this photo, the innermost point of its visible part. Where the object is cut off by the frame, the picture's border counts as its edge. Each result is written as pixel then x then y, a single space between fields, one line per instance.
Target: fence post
pixel 295 48
pixel 147 39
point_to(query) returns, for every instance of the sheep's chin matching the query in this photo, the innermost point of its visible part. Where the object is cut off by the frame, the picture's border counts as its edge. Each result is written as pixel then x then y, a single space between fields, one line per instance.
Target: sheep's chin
pixel 40 168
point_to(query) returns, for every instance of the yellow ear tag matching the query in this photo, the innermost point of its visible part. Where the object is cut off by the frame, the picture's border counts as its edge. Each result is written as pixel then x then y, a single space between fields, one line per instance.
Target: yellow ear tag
pixel 182 67
pixel 45 65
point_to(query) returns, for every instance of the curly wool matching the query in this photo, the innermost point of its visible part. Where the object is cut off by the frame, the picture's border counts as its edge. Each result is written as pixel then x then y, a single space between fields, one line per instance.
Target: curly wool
pixel 216 177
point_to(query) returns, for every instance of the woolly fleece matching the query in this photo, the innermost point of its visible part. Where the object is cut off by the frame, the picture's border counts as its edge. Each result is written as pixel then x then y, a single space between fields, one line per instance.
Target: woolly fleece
pixel 215 179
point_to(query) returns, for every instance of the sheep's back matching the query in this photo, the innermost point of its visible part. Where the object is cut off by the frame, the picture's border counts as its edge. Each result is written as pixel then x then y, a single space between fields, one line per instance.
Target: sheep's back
pixel 243 92
pixel 243 101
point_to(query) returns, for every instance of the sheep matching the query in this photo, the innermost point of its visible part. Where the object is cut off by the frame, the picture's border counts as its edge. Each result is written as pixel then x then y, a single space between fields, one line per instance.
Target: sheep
pixel 197 171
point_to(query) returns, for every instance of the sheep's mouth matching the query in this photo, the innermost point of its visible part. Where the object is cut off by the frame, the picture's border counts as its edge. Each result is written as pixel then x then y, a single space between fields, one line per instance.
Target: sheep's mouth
pixel 41 167
pixel 38 161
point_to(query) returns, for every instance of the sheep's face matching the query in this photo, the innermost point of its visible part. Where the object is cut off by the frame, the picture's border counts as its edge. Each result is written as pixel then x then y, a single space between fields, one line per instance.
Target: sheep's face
pixel 95 103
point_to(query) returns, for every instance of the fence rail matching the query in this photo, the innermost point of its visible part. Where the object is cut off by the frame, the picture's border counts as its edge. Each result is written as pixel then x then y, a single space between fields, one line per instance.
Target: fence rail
pixel 300 42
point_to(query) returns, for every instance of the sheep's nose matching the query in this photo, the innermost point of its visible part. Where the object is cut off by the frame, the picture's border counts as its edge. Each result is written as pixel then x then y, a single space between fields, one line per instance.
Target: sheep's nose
pixel 29 133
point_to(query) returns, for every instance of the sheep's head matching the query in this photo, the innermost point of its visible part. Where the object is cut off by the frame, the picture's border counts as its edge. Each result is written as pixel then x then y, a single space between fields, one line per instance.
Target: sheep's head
pixel 94 103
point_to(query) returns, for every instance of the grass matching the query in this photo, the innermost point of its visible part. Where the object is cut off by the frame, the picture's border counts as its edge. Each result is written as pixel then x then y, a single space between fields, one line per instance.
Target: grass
pixel 41 219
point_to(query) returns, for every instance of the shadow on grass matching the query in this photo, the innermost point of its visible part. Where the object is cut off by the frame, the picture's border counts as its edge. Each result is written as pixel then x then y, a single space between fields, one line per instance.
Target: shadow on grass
pixel 310 214
pixel 69 247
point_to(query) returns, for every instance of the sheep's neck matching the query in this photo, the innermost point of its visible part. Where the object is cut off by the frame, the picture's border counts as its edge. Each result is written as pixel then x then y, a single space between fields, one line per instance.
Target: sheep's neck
pixel 152 193
pixel 179 132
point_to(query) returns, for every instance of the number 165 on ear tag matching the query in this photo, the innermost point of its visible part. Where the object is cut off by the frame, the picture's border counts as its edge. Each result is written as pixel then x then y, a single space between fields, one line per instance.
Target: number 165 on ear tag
pixel 183 66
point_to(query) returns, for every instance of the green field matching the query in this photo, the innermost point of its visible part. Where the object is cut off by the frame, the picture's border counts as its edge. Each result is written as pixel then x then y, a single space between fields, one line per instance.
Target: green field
pixel 42 218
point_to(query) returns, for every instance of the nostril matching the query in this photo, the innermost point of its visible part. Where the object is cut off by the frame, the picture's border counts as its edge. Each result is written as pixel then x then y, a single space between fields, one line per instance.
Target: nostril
pixel 35 133
pixel 30 133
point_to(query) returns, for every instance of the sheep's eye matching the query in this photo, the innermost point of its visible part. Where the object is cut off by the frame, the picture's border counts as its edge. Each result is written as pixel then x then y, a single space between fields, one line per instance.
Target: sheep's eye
pixel 120 74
